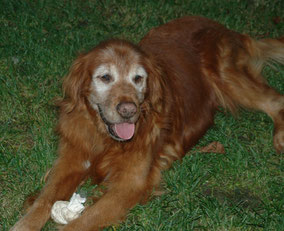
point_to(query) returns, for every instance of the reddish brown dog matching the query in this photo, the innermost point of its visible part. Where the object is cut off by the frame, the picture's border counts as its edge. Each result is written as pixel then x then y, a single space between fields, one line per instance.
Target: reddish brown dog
pixel 130 111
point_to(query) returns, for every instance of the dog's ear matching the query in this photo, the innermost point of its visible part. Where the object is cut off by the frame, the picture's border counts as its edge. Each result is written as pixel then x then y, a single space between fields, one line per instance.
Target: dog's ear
pixel 155 84
pixel 74 84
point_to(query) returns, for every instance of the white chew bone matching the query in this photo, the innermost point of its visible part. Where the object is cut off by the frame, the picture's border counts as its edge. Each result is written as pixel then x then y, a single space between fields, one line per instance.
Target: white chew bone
pixel 63 212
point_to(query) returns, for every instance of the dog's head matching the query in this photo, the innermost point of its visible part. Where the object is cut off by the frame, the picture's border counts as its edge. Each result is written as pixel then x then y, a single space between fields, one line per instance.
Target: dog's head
pixel 113 79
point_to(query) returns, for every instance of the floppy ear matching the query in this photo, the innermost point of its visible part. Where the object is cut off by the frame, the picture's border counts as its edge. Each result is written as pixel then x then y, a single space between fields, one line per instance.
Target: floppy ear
pixel 155 84
pixel 74 84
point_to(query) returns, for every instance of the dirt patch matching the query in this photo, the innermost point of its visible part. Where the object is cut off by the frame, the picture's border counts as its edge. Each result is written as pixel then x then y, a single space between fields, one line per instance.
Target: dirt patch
pixel 243 197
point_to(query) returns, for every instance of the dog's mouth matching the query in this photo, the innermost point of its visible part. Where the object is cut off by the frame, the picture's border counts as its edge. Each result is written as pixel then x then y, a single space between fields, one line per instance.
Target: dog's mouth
pixel 122 131
pixel 118 131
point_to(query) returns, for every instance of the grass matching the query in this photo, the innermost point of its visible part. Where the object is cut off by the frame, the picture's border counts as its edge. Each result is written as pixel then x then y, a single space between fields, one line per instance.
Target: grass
pixel 239 190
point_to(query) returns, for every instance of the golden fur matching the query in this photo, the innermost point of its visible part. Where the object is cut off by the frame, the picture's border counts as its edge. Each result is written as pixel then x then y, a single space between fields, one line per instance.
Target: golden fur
pixel 193 65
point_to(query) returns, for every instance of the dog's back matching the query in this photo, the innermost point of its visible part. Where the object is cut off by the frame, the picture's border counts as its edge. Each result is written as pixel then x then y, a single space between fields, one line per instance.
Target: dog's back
pixel 214 66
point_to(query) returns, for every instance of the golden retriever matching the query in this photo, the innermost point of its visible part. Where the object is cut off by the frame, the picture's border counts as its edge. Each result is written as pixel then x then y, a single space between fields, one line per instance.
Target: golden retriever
pixel 129 111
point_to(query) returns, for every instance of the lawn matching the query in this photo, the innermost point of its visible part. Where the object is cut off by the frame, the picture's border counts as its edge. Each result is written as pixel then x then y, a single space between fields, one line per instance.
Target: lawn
pixel 242 189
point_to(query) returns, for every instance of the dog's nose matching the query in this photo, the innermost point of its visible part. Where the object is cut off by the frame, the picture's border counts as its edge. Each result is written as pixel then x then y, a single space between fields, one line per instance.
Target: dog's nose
pixel 126 109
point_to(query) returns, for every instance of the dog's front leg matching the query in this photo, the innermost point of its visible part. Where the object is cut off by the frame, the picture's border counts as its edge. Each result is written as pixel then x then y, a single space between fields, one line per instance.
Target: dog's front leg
pixel 65 176
pixel 126 187
pixel 110 209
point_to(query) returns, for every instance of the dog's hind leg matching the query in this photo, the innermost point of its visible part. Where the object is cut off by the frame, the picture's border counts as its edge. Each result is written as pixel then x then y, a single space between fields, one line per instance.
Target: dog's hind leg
pixel 243 84
pixel 260 96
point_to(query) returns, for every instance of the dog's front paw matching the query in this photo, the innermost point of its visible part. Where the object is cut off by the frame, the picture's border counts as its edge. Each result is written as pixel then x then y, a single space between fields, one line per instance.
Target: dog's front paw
pixel 22 226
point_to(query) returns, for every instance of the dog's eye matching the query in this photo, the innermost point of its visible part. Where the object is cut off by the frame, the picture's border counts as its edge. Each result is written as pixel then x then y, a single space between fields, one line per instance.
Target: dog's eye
pixel 138 79
pixel 105 78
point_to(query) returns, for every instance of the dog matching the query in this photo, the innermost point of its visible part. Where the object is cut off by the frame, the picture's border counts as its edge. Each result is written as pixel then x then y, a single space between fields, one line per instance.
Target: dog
pixel 129 111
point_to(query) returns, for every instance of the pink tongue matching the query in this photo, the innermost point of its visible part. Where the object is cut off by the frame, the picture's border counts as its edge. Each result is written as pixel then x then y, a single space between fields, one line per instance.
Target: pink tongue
pixel 124 130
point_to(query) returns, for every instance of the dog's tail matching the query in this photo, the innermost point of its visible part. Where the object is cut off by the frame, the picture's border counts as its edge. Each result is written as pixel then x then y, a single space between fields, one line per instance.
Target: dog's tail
pixel 266 51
